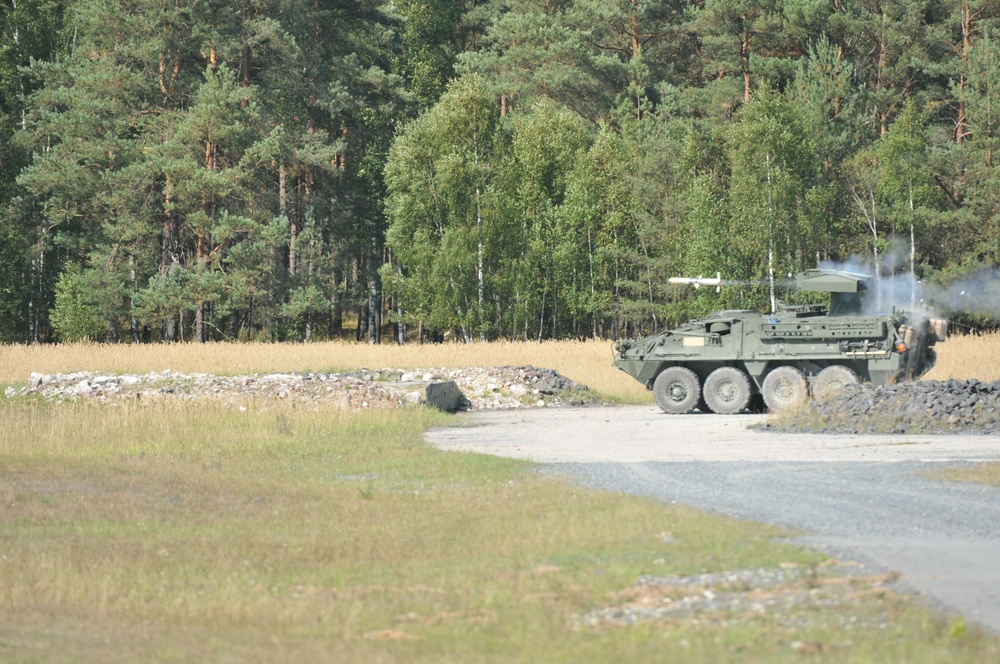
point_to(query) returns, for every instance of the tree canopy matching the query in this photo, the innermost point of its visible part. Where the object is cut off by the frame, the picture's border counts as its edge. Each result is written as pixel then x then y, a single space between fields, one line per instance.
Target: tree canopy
pixel 281 169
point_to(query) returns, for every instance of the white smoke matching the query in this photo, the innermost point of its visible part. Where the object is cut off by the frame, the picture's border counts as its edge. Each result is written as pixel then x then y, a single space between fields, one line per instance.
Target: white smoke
pixel 976 293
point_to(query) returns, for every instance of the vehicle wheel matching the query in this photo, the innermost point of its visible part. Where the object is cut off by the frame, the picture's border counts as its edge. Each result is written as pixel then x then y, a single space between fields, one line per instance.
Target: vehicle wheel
pixel 783 388
pixel 727 391
pixel 677 390
pixel 831 381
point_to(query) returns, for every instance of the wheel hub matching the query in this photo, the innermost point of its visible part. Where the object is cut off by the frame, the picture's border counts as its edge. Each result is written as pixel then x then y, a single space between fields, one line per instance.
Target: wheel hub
pixel 677 392
pixel 727 392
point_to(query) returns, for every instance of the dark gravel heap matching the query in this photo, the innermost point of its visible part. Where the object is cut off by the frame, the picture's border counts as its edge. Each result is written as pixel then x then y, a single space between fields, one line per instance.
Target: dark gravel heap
pixel 925 407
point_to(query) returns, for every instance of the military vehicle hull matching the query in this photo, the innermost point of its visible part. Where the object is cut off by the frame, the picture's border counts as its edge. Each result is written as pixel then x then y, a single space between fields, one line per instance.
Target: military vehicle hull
pixel 733 360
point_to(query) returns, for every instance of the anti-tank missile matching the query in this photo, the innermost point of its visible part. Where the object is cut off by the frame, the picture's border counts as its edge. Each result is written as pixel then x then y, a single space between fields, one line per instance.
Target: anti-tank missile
pixel 699 281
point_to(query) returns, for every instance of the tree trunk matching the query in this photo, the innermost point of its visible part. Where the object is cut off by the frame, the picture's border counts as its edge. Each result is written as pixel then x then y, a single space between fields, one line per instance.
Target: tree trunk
pixel 374 310
pixel 745 58
pixel 913 273
pixel 401 322
pixel 961 122
pixel 133 321
pixel 204 250
pixel 293 247
pixel 37 292
pixel 272 258
pixel 246 57
pixel 170 256
pixel 199 323
pixel 883 54
pixel 336 302
pixel 480 276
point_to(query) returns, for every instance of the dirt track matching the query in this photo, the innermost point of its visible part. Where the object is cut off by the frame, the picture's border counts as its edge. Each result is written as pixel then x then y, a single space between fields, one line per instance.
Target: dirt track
pixel 860 497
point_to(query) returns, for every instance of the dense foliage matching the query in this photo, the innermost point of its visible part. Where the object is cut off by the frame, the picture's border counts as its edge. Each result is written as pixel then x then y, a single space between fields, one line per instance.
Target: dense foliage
pixel 279 169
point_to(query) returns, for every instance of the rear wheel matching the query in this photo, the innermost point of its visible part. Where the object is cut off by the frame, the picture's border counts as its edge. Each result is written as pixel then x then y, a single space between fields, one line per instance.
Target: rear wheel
pixel 831 381
pixel 677 390
pixel 727 391
pixel 783 388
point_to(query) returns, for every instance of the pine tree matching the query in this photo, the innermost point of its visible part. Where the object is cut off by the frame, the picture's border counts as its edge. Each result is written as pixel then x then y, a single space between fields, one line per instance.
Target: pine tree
pixel 535 49
pixel 28 30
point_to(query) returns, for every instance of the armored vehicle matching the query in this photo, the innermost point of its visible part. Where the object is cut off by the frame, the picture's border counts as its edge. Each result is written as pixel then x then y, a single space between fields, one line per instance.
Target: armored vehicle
pixel 735 359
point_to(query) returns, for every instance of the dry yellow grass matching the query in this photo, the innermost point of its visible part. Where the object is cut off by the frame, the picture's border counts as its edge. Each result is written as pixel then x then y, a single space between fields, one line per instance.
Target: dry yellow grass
pixel 968 356
pixel 587 362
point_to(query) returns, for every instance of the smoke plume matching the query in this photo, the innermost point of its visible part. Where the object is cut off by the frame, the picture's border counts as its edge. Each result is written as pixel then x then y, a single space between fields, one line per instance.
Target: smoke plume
pixel 974 293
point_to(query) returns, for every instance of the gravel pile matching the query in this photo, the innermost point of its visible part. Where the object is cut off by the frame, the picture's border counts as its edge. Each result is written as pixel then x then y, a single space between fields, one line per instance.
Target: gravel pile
pixel 776 592
pixel 925 407
pixel 484 388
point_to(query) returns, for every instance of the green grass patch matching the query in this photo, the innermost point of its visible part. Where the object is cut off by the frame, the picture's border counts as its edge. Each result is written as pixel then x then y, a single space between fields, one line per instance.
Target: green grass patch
pixel 987 472
pixel 189 532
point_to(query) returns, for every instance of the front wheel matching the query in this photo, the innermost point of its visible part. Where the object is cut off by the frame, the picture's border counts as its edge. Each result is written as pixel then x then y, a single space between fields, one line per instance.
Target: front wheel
pixel 727 391
pixel 677 390
pixel 783 388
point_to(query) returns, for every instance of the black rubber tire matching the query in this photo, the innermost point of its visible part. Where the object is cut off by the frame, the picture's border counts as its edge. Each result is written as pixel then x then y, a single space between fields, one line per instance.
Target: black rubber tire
pixel 677 390
pixel 832 380
pixel 727 391
pixel 784 387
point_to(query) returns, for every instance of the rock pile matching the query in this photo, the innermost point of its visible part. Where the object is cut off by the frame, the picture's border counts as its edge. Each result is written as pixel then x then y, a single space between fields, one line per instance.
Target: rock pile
pixel 482 388
pixel 925 407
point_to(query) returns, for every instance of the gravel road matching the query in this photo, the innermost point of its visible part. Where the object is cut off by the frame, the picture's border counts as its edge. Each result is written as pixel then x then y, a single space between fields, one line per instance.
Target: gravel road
pixel 860 498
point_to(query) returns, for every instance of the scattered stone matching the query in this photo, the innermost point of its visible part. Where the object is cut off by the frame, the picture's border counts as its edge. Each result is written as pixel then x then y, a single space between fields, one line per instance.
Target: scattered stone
pixel 783 593
pixel 544 387
pixel 35 380
pixel 472 388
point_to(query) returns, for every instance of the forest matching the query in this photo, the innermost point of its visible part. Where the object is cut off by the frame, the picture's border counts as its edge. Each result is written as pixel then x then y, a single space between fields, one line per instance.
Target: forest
pixel 296 170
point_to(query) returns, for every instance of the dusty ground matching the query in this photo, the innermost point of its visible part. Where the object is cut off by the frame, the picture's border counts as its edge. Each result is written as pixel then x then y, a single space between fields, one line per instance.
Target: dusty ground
pixel 860 497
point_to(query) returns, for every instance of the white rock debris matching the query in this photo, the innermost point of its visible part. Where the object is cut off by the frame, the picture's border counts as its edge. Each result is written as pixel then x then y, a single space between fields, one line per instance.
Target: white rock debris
pixel 482 388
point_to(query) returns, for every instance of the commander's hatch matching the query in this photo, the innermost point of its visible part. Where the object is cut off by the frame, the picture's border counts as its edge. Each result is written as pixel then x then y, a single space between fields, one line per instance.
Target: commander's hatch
pixel 845 288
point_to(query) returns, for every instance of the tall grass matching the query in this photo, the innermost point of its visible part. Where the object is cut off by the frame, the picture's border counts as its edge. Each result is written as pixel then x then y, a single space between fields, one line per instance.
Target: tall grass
pixel 968 356
pixel 588 362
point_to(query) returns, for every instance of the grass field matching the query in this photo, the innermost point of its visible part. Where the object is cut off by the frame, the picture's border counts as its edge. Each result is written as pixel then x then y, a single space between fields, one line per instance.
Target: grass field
pixel 192 533
pixel 188 532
